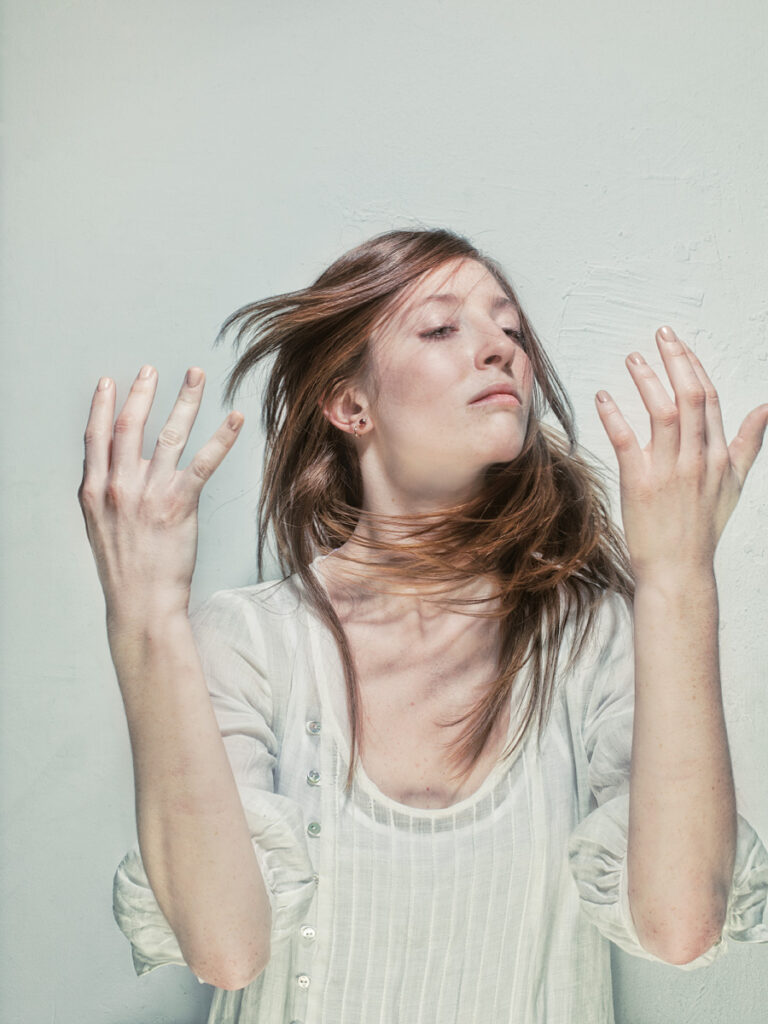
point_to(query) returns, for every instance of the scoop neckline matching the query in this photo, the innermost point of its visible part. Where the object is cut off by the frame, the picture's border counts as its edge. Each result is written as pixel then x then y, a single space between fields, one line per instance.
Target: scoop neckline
pixel 319 629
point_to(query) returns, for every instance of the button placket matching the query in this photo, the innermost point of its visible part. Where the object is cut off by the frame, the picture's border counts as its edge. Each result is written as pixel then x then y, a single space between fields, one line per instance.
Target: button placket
pixel 313 776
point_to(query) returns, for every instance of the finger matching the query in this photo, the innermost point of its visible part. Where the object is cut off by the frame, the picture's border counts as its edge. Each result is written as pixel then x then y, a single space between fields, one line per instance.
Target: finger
pixel 98 433
pixel 175 434
pixel 689 395
pixel 129 426
pixel 744 447
pixel 713 415
pixel 622 437
pixel 665 419
pixel 211 455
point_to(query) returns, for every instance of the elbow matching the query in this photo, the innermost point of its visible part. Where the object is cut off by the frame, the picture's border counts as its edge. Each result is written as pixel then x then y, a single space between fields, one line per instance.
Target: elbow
pixel 230 972
pixel 685 953
pixel 680 935
pixel 681 946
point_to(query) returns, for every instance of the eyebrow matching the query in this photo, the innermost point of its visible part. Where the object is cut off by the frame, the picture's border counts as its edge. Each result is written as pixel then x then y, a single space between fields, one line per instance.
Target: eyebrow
pixel 499 302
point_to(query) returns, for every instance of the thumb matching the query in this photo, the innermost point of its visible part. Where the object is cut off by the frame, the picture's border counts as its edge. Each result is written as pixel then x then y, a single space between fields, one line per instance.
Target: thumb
pixel 744 447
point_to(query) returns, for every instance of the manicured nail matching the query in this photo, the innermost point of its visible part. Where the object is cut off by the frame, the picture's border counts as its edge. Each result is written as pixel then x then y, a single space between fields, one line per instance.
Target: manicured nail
pixel 602 396
pixel 146 372
pixel 194 377
pixel 104 383
pixel 636 358
pixel 667 334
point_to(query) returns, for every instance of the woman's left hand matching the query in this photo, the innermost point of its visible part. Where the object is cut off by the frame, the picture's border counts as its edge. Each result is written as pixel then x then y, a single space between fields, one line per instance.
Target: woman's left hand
pixel 678 492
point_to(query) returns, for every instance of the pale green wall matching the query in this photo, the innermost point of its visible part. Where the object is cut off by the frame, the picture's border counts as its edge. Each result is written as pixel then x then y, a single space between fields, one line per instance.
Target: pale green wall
pixel 166 162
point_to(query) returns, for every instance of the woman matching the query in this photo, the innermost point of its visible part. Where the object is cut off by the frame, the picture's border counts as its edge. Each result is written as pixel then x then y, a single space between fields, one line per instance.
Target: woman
pixel 400 783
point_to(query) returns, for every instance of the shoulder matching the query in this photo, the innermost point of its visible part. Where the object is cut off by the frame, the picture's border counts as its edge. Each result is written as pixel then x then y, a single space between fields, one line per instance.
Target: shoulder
pixel 247 639
pixel 254 602
pixel 602 680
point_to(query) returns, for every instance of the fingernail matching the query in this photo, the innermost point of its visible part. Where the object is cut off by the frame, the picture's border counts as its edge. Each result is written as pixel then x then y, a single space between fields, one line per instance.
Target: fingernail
pixel 104 383
pixel 667 334
pixel 194 377
pixel 146 371
pixel 602 396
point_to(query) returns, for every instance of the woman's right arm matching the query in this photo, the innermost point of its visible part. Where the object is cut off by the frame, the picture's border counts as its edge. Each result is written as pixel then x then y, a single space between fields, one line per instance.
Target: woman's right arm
pixel 194 840
pixel 141 521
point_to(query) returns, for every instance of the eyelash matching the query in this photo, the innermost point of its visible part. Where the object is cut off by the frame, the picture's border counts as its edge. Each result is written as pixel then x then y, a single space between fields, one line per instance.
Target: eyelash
pixel 517 335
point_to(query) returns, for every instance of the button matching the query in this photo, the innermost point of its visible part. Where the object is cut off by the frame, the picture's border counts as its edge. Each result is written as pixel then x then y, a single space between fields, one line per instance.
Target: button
pixel 313 728
pixel 307 931
pixel 302 980
pixel 313 778
pixel 316 878
pixel 313 828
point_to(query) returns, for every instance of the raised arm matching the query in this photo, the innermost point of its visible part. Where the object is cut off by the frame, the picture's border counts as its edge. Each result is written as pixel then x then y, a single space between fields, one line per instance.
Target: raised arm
pixel 141 520
pixel 676 497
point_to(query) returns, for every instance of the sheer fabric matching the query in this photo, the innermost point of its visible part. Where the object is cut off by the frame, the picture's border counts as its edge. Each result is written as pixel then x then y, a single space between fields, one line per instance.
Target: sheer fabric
pixel 497 910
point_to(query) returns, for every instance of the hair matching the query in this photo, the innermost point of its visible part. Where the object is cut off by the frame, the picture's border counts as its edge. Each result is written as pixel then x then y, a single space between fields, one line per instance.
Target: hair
pixel 540 523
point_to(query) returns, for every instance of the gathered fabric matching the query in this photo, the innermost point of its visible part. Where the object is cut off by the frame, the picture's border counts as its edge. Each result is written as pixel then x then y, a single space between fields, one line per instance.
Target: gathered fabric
pixel 498 909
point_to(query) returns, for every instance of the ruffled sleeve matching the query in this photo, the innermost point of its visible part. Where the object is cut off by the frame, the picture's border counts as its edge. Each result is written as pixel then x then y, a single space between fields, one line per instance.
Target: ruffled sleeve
pixel 230 640
pixel 597 849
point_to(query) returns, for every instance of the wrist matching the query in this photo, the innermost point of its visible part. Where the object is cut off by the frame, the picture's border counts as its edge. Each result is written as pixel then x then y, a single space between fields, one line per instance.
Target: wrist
pixel 677 578
pixel 143 623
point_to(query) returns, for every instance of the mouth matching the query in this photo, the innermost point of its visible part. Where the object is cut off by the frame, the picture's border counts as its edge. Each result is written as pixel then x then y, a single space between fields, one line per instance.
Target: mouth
pixel 500 398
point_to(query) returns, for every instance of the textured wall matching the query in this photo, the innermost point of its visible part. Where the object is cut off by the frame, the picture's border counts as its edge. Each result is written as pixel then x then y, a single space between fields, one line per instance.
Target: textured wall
pixel 164 163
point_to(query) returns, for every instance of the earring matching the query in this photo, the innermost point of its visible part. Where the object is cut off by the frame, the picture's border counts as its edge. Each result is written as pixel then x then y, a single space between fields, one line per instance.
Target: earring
pixel 354 426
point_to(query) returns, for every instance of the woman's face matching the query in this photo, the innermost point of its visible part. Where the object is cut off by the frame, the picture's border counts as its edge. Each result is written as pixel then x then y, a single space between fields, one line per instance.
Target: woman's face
pixel 426 438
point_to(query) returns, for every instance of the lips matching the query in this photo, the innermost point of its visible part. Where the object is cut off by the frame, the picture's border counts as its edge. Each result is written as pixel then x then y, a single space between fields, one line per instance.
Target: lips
pixel 496 389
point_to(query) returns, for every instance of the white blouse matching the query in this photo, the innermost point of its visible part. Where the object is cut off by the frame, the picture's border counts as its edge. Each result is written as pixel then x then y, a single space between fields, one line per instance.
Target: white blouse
pixel 495 910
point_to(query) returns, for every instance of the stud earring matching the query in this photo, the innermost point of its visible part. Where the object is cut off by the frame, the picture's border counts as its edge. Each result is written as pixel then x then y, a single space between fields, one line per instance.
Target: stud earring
pixel 354 426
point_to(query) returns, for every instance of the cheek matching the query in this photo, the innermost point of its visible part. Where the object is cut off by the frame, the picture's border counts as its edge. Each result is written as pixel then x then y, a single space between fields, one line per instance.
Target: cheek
pixel 418 385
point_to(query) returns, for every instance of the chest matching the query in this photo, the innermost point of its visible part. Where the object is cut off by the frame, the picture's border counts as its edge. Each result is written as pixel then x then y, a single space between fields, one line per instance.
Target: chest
pixel 410 683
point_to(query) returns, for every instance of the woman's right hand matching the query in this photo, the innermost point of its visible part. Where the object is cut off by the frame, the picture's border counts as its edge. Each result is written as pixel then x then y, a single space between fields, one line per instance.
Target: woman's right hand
pixel 141 516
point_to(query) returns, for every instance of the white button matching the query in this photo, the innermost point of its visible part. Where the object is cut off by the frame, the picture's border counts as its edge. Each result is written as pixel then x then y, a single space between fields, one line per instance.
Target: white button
pixel 313 828
pixel 302 980
pixel 316 878
pixel 313 727
pixel 307 931
pixel 313 777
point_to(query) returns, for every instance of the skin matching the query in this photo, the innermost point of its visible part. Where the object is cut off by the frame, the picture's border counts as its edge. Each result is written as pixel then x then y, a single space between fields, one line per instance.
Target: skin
pixel 424 445
pixel 421 448
pixel 677 494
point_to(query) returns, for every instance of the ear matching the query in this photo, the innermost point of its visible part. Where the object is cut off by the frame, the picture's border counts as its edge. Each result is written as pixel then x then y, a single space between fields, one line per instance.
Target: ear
pixel 345 408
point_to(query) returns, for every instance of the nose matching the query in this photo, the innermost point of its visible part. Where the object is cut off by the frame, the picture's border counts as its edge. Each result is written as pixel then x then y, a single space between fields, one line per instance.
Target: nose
pixel 496 346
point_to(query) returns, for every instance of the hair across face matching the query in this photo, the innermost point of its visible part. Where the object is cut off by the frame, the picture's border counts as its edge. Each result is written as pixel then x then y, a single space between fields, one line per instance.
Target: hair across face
pixel 456 333
pixel 533 513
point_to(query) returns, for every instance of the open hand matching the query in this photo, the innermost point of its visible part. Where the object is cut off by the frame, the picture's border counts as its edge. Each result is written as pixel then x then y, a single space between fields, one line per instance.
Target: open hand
pixel 141 515
pixel 679 491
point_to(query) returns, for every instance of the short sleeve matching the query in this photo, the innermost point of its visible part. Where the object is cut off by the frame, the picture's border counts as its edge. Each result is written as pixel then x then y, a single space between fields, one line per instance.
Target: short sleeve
pixel 597 848
pixel 233 647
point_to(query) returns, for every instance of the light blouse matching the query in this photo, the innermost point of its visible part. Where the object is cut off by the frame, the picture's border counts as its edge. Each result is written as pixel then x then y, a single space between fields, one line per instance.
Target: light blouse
pixel 496 910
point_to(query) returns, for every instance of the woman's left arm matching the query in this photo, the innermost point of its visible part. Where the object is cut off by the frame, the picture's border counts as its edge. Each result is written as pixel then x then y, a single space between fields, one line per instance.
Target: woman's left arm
pixel 676 497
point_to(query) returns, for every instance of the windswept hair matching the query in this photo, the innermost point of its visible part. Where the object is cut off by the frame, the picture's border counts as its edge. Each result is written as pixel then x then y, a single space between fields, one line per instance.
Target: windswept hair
pixel 540 524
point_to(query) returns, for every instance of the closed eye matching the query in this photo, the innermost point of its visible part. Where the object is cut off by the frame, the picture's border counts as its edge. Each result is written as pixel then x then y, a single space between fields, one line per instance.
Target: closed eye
pixel 438 333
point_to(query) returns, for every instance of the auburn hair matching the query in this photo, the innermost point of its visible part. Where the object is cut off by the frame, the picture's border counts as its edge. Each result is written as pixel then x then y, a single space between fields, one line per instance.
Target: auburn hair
pixel 540 524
